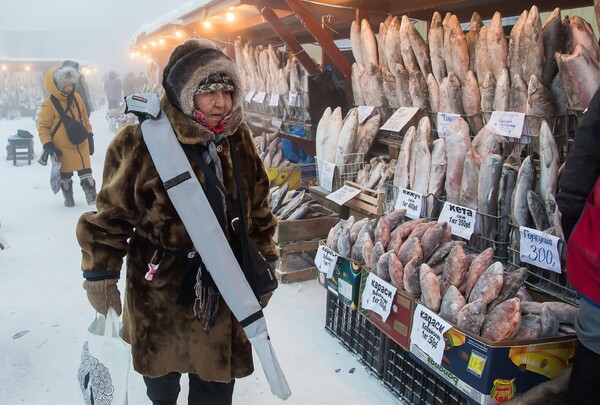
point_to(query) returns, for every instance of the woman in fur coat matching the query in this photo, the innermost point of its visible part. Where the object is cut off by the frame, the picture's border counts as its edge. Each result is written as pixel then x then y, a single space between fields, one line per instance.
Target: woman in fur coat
pixel 61 84
pixel 168 332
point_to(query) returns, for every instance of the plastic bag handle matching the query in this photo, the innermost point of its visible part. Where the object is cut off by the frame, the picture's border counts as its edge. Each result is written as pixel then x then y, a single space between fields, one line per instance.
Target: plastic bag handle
pixel 112 322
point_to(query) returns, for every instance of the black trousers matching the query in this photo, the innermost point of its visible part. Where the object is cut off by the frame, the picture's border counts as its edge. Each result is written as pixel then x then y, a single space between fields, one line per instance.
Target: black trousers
pixel 165 390
pixel 584 387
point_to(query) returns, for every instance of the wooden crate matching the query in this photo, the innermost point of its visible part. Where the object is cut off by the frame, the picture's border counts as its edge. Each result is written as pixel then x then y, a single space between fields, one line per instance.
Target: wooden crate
pixel 368 201
pixel 296 261
pixel 306 229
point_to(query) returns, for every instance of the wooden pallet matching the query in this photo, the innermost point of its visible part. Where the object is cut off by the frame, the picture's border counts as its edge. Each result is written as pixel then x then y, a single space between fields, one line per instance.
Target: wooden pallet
pixel 296 261
pixel 369 201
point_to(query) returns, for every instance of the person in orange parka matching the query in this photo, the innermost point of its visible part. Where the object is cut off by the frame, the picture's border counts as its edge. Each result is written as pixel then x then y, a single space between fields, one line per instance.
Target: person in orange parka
pixel 60 83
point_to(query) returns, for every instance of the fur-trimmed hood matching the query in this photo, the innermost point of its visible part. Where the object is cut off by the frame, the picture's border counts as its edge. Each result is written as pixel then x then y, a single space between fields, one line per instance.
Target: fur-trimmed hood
pixel 188 65
pixel 63 75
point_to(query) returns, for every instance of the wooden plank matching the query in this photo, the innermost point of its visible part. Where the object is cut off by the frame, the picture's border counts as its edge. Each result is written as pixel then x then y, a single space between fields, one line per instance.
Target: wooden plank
pixel 297 247
pixel 309 273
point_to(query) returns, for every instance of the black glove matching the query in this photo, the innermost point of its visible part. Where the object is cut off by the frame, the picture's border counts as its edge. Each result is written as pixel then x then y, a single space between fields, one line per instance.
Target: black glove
pixel 91 143
pixel 51 149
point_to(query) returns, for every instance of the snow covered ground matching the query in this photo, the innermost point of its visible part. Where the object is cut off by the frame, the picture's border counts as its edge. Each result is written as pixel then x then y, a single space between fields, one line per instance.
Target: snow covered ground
pixel 45 313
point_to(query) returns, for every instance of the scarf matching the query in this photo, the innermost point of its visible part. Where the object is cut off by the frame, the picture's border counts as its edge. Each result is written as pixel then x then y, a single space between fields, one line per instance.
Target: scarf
pixel 217 129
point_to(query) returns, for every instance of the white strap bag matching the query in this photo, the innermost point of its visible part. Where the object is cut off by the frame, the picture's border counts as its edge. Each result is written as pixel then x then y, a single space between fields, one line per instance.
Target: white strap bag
pixel 105 362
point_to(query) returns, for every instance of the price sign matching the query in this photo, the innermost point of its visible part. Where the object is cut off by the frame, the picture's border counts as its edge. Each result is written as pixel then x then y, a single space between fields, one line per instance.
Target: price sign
pixel 274 100
pixel 443 122
pixel 249 96
pixel 326 172
pixel 399 119
pixel 507 123
pixel 540 249
pixel 276 123
pixel 259 97
pixel 428 333
pixel 325 260
pixel 293 99
pixel 461 219
pixel 364 112
pixel 378 296
pixel 346 193
pixel 412 201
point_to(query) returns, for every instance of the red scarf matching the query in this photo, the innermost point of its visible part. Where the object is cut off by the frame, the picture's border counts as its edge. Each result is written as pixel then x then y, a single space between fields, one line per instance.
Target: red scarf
pixel 217 129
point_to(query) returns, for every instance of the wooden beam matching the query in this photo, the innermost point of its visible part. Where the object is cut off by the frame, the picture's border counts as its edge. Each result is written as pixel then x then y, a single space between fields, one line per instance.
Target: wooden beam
pixel 327 23
pixel 297 49
pixel 324 40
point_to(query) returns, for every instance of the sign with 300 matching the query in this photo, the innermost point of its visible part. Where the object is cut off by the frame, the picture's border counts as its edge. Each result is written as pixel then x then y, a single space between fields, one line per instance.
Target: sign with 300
pixel 540 249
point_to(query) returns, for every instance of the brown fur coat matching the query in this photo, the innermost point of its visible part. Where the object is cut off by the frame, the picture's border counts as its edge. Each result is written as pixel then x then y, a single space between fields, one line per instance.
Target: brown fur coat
pixel 165 336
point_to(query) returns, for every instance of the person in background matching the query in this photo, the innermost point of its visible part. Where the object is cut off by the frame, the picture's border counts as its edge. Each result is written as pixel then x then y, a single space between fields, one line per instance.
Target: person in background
pixel 114 90
pixel 82 88
pixel 583 271
pixel 142 82
pixel 61 84
pixel 176 320
pixel 130 84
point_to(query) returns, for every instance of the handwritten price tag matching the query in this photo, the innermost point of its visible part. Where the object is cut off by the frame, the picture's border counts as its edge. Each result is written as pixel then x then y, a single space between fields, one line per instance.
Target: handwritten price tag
pixel 364 111
pixel 461 219
pixel 443 122
pixel 540 249
pixel 399 119
pixel 378 296
pixel 428 333
pixel 344 194
pixel 293 99
pixel 412 201
pixel 325 260
pixel 249 96
pixel 507 123
pixel 326 172
pixel 274 100
pixel 259 97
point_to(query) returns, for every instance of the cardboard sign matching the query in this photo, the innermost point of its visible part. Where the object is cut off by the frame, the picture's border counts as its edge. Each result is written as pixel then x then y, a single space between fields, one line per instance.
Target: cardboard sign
pixel 259 97
pixel 378 296
pixel 443 122
pixel 325 260
pixel 461 219
pixel 326 173
pixel 428 333
pixel 507 123
pixel 345 193
pixel 399 119
pixel 412 201
pixel 364 111
pixel 249 96
pixel 540 249
pixel 274 100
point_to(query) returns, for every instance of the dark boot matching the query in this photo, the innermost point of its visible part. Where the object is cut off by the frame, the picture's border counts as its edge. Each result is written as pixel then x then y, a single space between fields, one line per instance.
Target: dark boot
pixel 89 187
pixel 67 189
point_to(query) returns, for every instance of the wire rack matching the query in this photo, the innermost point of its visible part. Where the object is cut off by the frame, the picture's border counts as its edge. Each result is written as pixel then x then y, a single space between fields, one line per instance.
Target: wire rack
pixel 344 172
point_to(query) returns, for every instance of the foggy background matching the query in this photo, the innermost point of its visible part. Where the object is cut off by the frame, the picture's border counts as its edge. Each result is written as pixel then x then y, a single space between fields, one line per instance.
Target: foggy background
pixel 95 32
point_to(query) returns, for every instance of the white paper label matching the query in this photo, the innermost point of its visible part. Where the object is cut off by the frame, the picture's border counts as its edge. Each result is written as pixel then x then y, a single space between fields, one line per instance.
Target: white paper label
pixel 461 219
pixel 378 296
pixel 293 99
pixel 325 260
pixel 259 97
pixel 412 201
pixel 276 123
pixel 399 119
pixel 428 333
pixel 345 193
pixel 345 289
pixel 443 122
pixel 364 111
pixel 507 123
pixel 249 96
pixel 274 100
pixel 326 172
pixel 540 249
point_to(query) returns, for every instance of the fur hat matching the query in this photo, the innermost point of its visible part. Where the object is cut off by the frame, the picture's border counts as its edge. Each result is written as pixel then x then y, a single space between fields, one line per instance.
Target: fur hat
pixel 191 66
pixel 64 75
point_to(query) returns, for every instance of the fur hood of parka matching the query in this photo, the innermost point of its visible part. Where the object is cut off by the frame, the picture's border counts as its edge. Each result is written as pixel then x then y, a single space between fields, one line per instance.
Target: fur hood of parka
pixel 134 217
pixel 74 157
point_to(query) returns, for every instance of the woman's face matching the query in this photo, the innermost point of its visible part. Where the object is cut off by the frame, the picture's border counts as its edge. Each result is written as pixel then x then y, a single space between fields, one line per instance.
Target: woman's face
pixel 68 88
pixel 215 105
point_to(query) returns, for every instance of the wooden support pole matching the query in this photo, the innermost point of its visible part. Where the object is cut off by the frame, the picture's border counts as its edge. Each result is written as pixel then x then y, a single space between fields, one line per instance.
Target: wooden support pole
pixel 325 21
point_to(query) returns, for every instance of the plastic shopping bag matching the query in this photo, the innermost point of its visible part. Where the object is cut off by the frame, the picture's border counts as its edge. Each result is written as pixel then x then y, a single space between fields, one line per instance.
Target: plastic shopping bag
pixel 55 175
pixel 105 362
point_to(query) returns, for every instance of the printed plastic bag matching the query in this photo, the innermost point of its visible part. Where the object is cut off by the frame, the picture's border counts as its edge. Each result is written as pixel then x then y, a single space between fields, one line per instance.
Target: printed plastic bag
pixel 55 175
pixel 105 362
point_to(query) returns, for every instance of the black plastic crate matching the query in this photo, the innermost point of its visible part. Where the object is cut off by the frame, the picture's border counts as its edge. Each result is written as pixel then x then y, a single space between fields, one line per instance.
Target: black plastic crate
pixel 356 334
pixel 414 383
